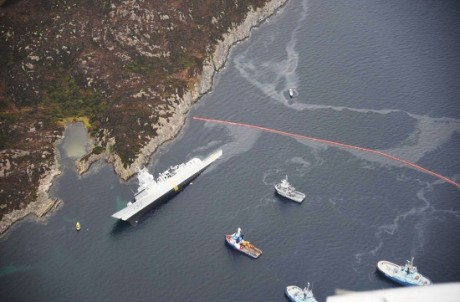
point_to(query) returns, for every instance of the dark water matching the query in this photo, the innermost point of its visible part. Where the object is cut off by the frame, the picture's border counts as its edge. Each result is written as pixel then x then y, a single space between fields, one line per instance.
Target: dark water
pixel 379 74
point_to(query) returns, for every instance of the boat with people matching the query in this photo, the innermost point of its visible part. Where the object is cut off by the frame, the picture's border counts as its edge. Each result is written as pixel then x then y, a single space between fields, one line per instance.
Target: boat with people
pixel 405 275
pixel 285 189
pixel 297 294
pixel 236 241
pixel 169 182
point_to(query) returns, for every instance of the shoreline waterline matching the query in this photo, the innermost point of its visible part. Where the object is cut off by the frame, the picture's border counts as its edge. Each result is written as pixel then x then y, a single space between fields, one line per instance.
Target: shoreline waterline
pixel 45 204
pixel 212 65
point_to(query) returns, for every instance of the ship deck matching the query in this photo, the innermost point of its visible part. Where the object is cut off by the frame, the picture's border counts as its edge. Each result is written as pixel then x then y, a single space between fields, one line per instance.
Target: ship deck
pixel 245 247
pixel 294 196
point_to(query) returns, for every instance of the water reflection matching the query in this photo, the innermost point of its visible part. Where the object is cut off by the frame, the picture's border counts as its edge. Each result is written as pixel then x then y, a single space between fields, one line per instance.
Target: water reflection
pixel 76 142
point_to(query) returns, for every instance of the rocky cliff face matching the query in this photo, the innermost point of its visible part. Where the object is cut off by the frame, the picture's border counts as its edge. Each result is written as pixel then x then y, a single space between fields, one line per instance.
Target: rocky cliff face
pixel 167 129
pixel 132 67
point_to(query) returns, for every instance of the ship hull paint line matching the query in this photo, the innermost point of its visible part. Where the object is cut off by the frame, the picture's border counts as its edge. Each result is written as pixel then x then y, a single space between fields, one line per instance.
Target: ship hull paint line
pixel 333 143
pixel 164 198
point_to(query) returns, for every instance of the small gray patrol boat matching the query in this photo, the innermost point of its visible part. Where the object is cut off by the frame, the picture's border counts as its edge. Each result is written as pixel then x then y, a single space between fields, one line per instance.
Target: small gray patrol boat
pixel 285 189
pixel 296 294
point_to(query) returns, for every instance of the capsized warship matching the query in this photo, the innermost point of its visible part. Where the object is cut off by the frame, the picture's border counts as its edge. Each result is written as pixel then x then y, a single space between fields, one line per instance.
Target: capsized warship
pixel 404 275
pixel 169 182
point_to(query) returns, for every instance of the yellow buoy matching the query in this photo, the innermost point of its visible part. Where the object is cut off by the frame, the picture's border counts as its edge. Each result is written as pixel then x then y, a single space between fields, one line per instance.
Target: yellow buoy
pixel 77 226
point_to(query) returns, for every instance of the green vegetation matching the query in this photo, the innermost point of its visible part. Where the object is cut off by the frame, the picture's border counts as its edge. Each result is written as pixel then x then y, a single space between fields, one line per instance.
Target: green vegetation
pixel 66 101
pixel 187 61
pixel 150 67
pixel 126 153
pixel 8 132
pixel 98 150
pixel 72 119
pixel 37 100
pixel 4 143
pixel 140 67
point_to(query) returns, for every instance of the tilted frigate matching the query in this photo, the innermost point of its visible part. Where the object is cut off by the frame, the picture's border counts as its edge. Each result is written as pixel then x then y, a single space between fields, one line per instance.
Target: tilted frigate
pixel 169 182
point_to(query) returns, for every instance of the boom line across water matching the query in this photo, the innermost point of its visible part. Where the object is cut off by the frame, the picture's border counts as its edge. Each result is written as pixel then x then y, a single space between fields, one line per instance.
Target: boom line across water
pixel 333 143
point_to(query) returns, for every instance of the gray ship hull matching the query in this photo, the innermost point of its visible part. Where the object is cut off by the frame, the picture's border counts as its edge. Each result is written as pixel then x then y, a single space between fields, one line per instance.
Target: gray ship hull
pixel 161 200
pixel 157 193
pixel 294 196
pixel 285 189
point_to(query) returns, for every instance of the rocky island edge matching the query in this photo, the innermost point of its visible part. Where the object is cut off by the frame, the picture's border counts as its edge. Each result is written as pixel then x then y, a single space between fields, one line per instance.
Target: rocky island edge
pixel 167 130
pixel 166 127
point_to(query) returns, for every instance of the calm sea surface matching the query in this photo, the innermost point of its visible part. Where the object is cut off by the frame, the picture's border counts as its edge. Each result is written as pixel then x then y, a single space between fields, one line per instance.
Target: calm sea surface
pixel 377 74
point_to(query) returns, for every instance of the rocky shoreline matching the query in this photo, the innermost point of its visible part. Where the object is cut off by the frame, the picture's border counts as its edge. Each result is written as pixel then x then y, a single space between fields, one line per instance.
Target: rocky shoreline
pixel 166 129
pixel 44 204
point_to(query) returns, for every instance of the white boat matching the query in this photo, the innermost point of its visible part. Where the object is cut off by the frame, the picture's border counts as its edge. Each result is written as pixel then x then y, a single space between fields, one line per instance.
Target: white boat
pixel 237 242
pixel 297 294
pixel 291 93
pixel 168 183
pixel 404 275
pixel 285 189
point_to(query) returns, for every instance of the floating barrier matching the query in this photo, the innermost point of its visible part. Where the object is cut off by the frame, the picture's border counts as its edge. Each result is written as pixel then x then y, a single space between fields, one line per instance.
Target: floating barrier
pixel 333 143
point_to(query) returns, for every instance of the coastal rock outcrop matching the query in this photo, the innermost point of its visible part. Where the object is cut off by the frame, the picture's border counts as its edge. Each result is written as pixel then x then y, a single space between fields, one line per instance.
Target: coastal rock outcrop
pixel 130 69
pixel 167 131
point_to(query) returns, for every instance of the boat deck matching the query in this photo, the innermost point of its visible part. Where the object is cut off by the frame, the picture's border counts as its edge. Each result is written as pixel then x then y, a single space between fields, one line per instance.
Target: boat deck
pixel 396 273
pixel 294 195
pixel 245 247
pixel 249 249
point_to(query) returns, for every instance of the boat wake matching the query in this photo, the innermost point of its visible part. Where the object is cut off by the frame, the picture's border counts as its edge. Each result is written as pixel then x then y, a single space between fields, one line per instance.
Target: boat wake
pixel 423 213
pixel 242 142
pixel 274 77
pixel 361 150
pixel 283 73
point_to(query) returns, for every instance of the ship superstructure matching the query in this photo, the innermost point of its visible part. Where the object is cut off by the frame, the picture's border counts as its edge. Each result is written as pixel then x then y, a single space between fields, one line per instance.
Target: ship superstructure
pixel 171 181
pixel 236 241
pixel 285 189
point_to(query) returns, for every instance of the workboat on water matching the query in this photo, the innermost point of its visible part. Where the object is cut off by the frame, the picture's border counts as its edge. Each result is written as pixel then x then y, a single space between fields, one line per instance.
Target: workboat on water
pixel 297 294
pixel 150 191
pixel 285 189
pixel 237 242
pixel 405 275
